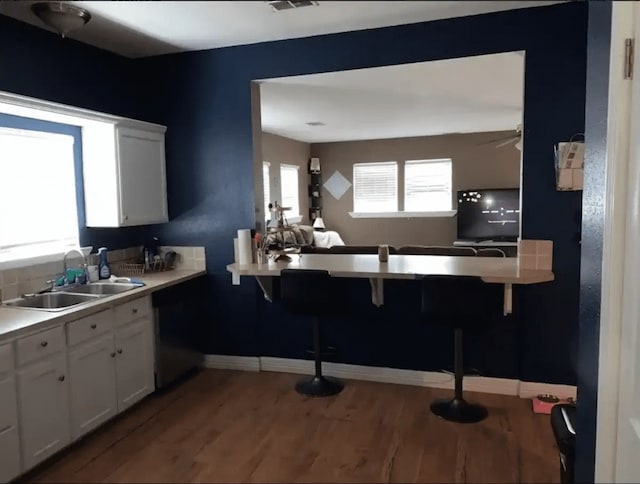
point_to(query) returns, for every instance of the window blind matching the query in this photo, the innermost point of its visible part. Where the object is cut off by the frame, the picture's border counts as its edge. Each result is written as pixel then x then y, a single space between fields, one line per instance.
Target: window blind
pixel 290 191
pixel 375 187
pixel 37 174
pixel 427 185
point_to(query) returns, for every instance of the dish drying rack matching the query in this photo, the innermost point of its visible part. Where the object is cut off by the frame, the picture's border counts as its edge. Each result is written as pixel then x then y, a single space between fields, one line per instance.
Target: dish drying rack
pixel 127 269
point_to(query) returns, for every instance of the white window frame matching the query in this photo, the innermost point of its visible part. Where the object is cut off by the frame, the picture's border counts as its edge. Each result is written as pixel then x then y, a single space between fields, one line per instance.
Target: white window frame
pixel 35 108
pixel 292 216
pixel 405 213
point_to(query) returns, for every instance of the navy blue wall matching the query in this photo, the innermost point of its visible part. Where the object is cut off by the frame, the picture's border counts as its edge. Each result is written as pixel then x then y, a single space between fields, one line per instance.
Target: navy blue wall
pixel 204 98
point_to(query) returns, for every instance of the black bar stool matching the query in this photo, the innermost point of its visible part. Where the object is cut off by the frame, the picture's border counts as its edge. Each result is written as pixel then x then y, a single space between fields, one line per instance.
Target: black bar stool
pixel 309 292
pixel 459 302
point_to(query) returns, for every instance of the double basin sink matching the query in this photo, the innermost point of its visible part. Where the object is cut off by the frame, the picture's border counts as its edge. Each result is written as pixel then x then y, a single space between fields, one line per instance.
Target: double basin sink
pixel 61 299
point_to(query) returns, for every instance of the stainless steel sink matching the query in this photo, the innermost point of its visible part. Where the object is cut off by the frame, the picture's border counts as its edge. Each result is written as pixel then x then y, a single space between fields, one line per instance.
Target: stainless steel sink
pixel 51 301
pixel 102 288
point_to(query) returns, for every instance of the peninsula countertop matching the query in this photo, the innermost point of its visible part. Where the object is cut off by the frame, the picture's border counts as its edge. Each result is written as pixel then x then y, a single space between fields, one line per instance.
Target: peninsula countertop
pixel 19 321
pixel 502 270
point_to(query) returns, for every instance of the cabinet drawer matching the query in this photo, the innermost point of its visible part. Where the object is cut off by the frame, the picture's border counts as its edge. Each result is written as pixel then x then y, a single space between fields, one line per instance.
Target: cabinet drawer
pixel 86 328
pixel 40 345
pixel 133 310
pixel 6 358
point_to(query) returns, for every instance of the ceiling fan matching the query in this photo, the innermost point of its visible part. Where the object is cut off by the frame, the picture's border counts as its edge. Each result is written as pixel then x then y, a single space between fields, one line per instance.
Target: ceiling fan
pixel 507 140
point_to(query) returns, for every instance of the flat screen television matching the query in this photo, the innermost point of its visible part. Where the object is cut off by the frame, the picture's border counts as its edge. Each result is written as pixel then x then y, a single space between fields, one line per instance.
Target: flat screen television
pixel 489 214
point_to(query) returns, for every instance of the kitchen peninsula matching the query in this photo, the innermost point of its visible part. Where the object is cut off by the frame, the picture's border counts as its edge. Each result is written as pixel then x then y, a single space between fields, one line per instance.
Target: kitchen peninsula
pixel 498 270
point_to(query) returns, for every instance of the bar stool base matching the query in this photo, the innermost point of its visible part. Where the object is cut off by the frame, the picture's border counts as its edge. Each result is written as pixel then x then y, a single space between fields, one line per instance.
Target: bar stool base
pixel 458 410
pixel 319 386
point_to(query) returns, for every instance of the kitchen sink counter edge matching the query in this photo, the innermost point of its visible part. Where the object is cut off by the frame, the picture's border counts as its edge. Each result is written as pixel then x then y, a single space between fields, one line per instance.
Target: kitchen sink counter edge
pixel 15 322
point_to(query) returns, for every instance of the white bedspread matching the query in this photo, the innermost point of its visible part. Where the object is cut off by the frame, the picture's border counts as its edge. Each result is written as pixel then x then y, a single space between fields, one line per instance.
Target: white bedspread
pixel 327 239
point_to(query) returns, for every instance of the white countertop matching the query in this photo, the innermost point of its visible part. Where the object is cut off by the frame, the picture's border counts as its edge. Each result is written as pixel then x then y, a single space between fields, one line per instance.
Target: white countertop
pixel 504 270
pixel 19 321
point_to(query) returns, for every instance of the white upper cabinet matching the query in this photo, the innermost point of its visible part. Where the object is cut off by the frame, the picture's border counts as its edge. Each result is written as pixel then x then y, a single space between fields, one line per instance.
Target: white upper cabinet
pixel 124 174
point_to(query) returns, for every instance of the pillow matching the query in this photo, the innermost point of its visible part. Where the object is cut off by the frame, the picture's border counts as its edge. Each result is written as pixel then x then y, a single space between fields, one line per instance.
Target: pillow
pixel 327 239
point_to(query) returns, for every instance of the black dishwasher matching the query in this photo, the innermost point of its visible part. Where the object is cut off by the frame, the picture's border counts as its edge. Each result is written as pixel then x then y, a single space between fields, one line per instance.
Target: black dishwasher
pixel 178 330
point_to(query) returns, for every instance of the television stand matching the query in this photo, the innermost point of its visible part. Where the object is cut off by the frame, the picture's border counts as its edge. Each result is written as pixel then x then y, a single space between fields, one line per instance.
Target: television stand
pixel 509 248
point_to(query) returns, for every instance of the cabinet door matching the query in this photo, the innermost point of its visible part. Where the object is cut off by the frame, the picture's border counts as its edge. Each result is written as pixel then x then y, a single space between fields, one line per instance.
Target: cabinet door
pixel 134 362
pixel 9 441
pixel 44 409
pixel 142 177
pixel 92 381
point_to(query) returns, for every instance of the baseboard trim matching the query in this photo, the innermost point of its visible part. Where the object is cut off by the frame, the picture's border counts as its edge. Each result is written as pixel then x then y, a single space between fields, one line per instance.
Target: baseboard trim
pixel 432 379
pixel 230 362
pixel 529 389
pixel 391 375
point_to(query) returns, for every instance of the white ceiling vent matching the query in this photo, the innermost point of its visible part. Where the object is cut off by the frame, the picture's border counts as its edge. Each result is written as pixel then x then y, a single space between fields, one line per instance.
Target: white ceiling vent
pixel 278 5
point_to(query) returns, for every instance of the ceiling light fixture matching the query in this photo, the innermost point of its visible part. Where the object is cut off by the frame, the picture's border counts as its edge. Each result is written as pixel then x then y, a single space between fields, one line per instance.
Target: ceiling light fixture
pixel 61 17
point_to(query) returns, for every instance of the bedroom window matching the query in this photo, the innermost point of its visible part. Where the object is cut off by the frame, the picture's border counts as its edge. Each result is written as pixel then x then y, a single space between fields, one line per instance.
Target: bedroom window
pixel 289 176
pixel 375 187
pixel 427 185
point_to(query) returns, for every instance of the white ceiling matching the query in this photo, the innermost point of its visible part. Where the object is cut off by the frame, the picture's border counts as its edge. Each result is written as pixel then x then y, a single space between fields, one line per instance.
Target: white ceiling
pixel 145 28
pixel 467 95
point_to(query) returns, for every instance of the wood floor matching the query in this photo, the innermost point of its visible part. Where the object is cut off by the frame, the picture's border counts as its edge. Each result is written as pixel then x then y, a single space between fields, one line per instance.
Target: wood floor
pixel 226 426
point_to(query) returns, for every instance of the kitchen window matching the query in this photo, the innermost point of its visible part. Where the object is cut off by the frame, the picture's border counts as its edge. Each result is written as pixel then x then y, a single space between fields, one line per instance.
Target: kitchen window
pixel 289 185
pixel 38 210
pixel 413 188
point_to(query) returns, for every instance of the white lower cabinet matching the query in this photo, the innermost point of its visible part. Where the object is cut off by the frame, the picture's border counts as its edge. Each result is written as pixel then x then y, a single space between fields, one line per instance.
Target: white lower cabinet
pixel 9 439
pixel 43 408
pixel 92 382
pixel 134 362
pixel 9 454
pixel 60 391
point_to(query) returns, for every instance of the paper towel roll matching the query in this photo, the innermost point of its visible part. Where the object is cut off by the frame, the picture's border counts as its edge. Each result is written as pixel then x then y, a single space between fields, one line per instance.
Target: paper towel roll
pixel 235 251
pixel 245 254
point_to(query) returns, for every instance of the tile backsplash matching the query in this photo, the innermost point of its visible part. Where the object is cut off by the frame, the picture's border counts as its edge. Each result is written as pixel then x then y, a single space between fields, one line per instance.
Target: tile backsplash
pixel 535 254
pixel 15 282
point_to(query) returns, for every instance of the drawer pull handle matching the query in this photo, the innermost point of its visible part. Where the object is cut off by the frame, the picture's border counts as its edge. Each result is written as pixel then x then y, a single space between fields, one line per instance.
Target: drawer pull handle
pixel 61 378
pixel 5 428
pixel 94 326
pixel 134 310
pixel 113 354
pixel 119 351
pixel 44 344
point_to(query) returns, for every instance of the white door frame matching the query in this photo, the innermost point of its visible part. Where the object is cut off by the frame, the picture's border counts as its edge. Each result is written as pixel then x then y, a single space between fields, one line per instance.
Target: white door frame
pixel 617 194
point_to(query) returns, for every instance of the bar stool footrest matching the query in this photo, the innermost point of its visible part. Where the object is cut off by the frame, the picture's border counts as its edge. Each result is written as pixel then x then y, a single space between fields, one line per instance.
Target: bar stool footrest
pixel 458 410
pixel 319 386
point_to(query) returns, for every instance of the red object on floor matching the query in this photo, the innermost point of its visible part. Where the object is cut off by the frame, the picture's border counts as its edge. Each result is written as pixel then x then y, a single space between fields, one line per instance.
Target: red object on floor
pixel 544 403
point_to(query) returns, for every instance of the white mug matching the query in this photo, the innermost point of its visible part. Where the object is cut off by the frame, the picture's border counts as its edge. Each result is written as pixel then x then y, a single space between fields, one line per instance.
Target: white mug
pixel 383 253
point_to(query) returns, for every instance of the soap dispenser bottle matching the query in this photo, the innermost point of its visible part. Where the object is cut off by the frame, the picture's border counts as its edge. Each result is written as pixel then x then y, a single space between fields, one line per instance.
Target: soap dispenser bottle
pixel 103 266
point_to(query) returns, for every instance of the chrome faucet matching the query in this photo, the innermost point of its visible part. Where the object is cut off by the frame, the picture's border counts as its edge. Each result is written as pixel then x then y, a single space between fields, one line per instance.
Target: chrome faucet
pixel 66 254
